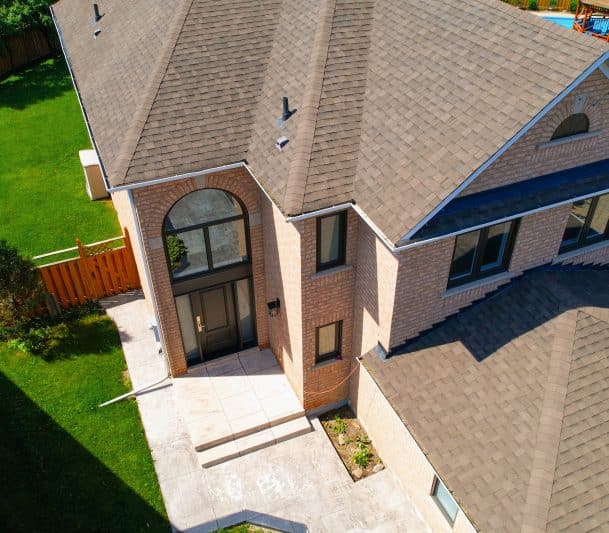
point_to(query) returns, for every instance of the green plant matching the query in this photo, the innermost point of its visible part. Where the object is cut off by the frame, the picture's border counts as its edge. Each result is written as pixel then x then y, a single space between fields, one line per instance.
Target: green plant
pixel 44 341
pixel 362 456
pixel 532 5
pixel 552 4
pixel 572 5
pixel 362 440
pixel 339 426
pixel 176 250
pixel 21 292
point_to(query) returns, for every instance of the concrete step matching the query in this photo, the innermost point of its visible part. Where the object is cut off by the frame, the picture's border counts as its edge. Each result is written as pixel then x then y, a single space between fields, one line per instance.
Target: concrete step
pixel 251 442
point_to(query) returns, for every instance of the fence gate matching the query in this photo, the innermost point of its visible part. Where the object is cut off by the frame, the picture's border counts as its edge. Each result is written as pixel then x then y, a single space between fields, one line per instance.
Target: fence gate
pixel 101 269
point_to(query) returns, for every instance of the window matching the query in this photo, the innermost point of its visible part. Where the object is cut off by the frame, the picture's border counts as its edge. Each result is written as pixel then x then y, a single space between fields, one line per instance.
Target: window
pixel 572 125
pixel 331 240
pixel 328 342
pixel 444 499
pixel 205 231
pixel 482 252
pixel 587 223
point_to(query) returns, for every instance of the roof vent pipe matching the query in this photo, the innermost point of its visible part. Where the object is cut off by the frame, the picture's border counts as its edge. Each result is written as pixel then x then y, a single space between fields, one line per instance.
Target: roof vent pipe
pixel 286 114
pixel 96 15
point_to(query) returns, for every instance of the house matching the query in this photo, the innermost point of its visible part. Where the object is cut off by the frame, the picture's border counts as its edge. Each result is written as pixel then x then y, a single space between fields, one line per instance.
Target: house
pixel 331 179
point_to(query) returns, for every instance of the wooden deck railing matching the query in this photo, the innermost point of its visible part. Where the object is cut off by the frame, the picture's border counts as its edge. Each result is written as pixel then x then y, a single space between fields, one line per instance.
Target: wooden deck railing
pixel 101 269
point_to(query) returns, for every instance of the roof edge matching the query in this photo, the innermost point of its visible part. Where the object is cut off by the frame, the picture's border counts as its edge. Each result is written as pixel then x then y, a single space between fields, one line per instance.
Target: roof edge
pixel 519 134
pixel 118 170
pixel 305 133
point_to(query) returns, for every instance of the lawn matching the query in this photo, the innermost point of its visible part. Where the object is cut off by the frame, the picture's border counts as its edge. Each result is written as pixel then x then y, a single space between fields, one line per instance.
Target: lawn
pixel 44 203
pixel 68 465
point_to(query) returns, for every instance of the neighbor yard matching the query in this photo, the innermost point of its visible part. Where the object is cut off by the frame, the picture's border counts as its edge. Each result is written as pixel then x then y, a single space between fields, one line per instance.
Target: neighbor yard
pixel 68 465
pixel 44 203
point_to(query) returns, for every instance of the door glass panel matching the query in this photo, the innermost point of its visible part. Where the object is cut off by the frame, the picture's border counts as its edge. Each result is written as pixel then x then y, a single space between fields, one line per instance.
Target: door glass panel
pixel 228 243
pixel 598 224
pixel 329 248
pixel 187 253
pixel 214 309
pixel 327 340
pixel 187 328
pixel 576 221
pixel 496 244
pixel 464 255
pixel 244 309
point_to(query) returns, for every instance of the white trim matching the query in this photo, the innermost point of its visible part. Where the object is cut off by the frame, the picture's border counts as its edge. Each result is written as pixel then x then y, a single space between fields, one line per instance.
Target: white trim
pixel 151 183
pixel 569 139
pixel 508 145
pixel 580 251
pixel 319 212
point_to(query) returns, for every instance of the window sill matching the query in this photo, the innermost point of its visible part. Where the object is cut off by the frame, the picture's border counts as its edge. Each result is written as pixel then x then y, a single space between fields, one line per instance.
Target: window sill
pixel 580 251
pixel 328 362
pixel 566 140
pixel 502 276
pixel 330 271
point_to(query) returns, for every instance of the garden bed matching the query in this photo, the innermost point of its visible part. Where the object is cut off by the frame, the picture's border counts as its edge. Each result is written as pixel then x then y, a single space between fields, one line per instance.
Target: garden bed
pixel 351 443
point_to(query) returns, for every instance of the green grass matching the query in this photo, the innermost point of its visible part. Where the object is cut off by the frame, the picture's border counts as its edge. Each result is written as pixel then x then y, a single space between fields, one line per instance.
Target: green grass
pixel 68 465
pixel 44 203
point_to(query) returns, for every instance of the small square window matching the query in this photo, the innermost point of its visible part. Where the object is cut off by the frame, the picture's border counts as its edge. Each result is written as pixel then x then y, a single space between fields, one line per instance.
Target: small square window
pixel 444 499
pixel 331 240
pixel 328 341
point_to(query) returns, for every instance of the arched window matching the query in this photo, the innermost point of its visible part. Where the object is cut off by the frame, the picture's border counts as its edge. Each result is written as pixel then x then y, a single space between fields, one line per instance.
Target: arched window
pixel 572 125
pixel 205 231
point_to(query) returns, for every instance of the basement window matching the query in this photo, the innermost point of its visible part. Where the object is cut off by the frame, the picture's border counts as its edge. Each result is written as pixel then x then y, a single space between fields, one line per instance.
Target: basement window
pixel 588 223
pixel 444 499
pixel 482 253
pixel 331 240
pixel 328 341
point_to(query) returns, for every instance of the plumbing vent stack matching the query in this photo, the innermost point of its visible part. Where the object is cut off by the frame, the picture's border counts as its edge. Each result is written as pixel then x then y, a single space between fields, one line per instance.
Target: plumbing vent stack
pixel 96 15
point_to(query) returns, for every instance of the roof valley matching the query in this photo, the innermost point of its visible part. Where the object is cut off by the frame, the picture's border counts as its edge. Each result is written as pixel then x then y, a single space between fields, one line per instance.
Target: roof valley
pixel 539 491
pixel 140 117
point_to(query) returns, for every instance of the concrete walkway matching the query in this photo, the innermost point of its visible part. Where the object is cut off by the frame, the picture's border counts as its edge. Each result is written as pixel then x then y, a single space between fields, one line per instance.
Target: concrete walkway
pixel 297 485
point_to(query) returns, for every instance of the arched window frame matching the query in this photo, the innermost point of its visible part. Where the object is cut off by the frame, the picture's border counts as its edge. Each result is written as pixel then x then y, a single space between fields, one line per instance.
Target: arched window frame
pixel 558 135
pixel 204 226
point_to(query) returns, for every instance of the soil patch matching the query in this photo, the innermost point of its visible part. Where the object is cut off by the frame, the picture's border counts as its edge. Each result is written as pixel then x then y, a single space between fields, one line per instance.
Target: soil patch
pixel 351 443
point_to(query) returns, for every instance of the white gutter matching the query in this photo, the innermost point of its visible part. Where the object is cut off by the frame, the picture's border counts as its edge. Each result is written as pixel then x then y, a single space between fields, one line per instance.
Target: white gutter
pixel 319 212
pixel 507 145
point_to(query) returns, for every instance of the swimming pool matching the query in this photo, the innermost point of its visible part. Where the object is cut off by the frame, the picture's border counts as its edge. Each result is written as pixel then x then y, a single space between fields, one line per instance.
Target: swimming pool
pixel 567 22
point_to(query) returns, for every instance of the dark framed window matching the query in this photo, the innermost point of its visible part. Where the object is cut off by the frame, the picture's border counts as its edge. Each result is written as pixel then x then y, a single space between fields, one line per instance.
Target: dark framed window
pixel 205 231
pixel 331 240
pixel 328 341
pixel 482 253
pixel 588 223
pixel 574 124
pixel 444 499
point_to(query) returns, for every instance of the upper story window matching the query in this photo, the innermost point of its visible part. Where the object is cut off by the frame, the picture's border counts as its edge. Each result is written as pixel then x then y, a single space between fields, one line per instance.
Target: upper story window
pixel 328 341
pixel 572 125
pixel 205 231
pixel 331 240
pixel 588 222
pixel 481 253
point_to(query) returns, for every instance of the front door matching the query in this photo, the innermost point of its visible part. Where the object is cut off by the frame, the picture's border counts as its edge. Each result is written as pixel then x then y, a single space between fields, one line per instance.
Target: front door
pixel 215 321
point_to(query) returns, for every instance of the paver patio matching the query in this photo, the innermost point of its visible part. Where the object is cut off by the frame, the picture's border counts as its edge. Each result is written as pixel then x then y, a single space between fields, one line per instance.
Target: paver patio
pixel 296 485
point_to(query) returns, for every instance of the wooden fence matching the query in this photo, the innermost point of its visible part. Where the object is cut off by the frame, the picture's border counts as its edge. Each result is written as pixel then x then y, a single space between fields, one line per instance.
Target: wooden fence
pixel 19 50
pixel 101 269
pixel 543 5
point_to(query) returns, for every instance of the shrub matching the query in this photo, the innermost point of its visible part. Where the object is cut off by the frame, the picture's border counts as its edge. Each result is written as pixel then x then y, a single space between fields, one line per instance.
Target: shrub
pixel 572 5
pixel 552 4
pixel 362 456
pixel 176 249
pixel 45 341
pixel 532 5
pixel 22 292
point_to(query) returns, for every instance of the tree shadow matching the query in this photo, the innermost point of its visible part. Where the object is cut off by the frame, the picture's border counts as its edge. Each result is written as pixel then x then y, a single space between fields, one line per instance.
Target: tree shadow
pixel 42 81
pixel 52 483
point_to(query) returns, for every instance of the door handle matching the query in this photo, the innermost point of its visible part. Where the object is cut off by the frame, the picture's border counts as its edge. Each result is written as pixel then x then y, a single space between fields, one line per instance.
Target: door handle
pixel 200 326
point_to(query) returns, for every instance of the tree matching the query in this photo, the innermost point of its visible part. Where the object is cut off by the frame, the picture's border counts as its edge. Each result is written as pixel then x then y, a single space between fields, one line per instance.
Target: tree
pixel 16 16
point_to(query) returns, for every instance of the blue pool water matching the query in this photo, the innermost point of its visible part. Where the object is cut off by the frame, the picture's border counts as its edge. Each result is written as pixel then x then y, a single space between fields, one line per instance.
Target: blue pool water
pixel 567 22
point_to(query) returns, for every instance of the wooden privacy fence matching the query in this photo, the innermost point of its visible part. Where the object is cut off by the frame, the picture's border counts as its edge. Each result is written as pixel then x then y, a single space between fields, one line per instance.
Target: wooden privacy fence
pixel 101 269
pixel 19 50
pixel 542 5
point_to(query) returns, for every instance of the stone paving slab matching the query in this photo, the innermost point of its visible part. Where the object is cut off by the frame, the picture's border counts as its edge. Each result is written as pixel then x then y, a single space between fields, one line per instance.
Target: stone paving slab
pixel 299 485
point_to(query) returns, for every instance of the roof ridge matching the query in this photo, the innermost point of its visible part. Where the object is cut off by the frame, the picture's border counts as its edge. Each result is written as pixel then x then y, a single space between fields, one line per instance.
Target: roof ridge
pixel 140 117
pixel 539 491
pixel 305 133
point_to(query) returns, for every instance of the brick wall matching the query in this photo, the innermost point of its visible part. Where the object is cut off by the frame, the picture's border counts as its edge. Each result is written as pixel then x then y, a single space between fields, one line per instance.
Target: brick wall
pixel 152 204
pixel 526 159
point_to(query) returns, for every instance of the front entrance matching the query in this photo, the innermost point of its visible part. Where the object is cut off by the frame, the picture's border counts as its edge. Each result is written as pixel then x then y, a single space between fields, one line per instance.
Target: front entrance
pixel 216 322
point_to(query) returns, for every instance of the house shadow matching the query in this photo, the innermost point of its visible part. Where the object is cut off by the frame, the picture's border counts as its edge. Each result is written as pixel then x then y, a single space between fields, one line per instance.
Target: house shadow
pixel 525 304
pixel 41 81
pixel 281 525
pixel 52 483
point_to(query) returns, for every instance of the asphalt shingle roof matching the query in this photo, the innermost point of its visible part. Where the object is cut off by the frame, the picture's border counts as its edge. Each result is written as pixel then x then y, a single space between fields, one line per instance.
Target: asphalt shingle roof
pixel 397 101
pixel 516 386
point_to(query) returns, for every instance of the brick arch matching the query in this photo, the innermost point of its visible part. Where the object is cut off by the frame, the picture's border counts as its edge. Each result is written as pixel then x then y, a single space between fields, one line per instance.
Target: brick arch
pixel 153 203
pixel 574 103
